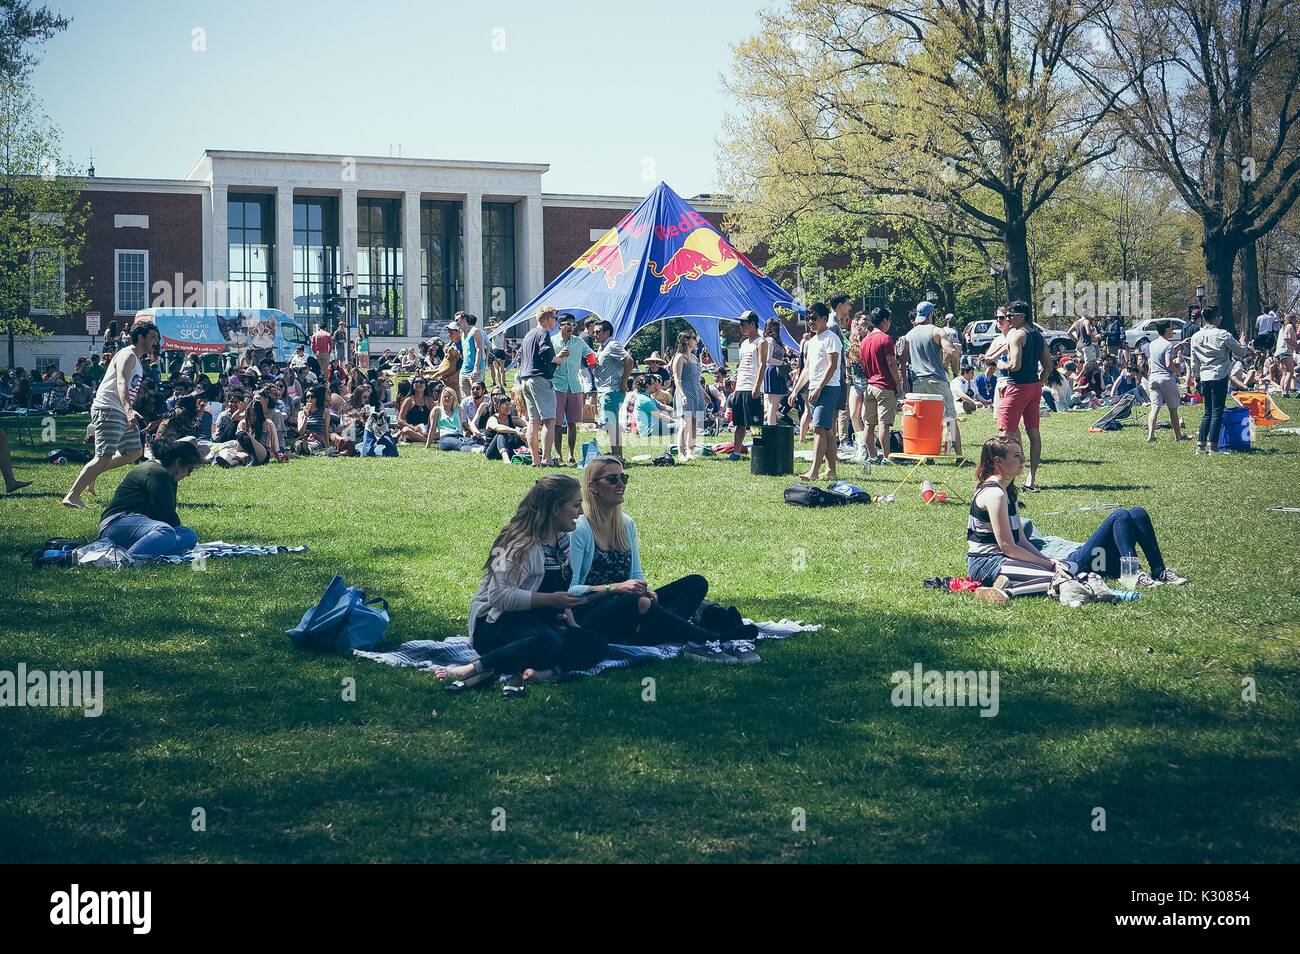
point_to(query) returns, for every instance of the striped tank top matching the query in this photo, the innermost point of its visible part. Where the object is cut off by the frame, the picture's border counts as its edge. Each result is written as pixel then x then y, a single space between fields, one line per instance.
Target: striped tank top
pixel 980 541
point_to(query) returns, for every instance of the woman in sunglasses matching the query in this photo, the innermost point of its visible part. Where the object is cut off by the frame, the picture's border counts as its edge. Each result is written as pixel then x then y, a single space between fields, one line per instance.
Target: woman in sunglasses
pixel 413 416
pixel 521 620
pixel 607 571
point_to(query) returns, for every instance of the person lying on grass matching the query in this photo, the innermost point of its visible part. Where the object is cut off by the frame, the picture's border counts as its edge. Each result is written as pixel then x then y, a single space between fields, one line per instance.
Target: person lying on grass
pixel 141 518
pixel 1006 563
pixel 606 563
pixel 521 619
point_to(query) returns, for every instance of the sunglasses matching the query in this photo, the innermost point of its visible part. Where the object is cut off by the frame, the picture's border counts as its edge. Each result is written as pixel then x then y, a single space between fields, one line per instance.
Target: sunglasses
pixel 614 480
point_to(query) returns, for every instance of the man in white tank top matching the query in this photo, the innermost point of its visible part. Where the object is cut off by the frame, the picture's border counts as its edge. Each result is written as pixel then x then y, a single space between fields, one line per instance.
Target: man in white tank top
pixel 746 400
pixel 116 425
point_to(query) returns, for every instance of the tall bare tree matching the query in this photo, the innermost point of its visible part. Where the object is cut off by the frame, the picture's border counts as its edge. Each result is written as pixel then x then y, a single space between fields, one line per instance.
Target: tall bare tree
pixel 1209 95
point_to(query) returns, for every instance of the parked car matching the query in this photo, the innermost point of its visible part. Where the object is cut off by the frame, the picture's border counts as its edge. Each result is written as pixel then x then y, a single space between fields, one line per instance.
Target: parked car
pixel 1058 342
pixel 1145 330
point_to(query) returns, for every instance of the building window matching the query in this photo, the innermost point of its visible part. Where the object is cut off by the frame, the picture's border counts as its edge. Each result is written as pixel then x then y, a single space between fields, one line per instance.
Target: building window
pixel 47 282
pixel 316 295
pixel 498 259
pixel 131 280
pixel 379 266
pixel 439 265
pixel 250 244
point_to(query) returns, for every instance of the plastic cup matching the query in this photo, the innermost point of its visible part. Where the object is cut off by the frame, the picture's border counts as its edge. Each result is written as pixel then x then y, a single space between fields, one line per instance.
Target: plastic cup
pixel 1129 568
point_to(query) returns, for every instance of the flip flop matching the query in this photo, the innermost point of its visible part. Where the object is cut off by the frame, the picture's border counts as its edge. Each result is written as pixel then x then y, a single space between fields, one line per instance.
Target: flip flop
pixel 73 506
pixel 476 681
pixel 514 688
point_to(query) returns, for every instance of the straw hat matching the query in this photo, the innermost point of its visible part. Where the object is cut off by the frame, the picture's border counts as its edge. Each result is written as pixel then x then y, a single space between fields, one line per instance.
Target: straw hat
pixel 655 356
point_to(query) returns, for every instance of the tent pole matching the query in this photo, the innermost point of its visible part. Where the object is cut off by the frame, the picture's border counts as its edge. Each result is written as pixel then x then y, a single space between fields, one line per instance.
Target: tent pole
pixel 663 336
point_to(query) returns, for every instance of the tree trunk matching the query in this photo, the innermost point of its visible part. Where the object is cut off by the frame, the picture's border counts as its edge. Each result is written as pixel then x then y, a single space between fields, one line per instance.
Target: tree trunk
pixel 1250 282
pixel 1019 286
pixel 1219 261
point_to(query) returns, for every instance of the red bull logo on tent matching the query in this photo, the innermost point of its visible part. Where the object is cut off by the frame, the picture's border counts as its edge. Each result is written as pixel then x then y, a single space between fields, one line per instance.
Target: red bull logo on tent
pixel 704 252
pixel 605 256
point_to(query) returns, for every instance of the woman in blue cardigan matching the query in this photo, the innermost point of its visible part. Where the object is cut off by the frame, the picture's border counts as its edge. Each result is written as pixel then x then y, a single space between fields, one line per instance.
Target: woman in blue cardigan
pixel 606 564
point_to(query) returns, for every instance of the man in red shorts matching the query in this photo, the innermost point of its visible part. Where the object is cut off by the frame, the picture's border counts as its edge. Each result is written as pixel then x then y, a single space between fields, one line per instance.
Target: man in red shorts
pixel 1027 363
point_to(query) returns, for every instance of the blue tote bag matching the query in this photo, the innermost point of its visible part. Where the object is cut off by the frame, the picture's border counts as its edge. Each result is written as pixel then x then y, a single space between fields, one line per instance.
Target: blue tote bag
pixel 343 620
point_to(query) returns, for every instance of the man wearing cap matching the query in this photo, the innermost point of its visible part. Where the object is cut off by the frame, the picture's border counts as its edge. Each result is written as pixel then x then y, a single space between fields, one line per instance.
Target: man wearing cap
pixel 747 400
pixel 475 351
pixel 929 354
pixel 538 360
pixel 568 381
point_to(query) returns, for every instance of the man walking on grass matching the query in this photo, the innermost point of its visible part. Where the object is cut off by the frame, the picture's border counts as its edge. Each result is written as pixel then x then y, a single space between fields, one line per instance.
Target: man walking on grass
pixel 115 422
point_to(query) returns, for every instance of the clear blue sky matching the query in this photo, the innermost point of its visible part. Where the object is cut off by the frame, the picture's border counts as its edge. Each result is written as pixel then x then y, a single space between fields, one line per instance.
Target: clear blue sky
pixel 595 90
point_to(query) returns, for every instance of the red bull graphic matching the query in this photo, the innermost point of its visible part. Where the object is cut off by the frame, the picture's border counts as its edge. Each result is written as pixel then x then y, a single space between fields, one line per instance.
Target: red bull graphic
pixel 605 256
pixel 704 252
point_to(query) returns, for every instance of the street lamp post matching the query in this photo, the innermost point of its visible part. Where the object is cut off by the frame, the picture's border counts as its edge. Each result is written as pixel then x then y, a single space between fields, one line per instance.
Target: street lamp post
pixel 349 298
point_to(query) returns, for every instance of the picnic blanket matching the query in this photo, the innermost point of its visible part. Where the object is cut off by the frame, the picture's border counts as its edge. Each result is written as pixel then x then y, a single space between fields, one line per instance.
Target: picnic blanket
pixel 427 654
pixel 101 553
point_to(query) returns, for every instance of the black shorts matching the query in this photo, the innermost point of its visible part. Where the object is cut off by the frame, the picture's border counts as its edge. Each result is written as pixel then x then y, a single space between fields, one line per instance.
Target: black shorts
pixel 746 410
pixel 1266 342
pixel 499 355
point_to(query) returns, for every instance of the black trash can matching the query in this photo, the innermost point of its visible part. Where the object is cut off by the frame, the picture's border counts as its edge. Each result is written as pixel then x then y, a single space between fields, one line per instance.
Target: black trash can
pixel 772 454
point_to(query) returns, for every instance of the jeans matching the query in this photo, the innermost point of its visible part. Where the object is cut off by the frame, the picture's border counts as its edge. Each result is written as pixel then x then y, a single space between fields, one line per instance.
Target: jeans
pixel 454 442
pixel 143 538
pixel 1119 536
pixel 1215 394
pixel 502 446
pixel 529 640
pixel 668 620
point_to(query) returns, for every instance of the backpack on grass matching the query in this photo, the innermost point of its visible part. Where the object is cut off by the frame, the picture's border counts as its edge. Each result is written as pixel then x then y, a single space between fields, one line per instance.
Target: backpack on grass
pixel 343 620
pixel 806 495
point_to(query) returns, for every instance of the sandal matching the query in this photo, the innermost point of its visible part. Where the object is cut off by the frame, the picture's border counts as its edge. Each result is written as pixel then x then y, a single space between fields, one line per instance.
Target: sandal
pixel 514 688
pixel 476 681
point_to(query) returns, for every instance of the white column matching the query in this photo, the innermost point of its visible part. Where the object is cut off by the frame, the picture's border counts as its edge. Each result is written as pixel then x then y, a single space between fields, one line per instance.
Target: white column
pixel 532 272
pixel 284 248
pixel 218 295
pixel 347 231
pixel 412 288
pixel 473 244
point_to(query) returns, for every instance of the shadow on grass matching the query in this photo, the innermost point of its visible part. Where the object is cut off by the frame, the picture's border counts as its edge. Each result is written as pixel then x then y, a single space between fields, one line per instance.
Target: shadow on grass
pixel 258 734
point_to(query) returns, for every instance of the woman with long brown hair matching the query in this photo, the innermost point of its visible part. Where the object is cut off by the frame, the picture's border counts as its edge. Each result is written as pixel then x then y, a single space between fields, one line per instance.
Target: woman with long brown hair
pixel 1006 562
pixel 521 619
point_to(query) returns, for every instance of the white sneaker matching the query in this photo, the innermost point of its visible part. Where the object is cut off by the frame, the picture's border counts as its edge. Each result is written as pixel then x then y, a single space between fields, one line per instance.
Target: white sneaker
pixel 1170 576
pixel 1146 579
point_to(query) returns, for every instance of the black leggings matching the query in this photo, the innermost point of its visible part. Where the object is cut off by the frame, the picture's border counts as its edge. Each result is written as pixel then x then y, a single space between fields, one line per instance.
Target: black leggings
pixel 668 620
pixel 1215 395
pixel 530 640
pixel 502 446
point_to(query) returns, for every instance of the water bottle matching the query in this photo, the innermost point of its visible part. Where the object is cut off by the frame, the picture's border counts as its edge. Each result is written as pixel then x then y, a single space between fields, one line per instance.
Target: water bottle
pixel 1126 596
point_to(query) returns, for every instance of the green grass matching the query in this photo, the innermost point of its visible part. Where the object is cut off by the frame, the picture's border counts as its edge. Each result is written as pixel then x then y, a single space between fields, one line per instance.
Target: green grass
pixel 1134 708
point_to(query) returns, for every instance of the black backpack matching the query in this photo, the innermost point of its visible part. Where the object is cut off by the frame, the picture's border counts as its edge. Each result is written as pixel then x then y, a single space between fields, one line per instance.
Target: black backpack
pixel 806 495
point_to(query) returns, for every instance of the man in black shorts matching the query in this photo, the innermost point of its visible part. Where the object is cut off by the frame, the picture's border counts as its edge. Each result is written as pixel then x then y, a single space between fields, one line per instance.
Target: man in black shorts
pixel 747 400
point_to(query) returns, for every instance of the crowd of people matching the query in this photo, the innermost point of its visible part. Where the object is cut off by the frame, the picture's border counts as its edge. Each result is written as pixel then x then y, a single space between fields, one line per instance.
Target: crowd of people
pixel 564 578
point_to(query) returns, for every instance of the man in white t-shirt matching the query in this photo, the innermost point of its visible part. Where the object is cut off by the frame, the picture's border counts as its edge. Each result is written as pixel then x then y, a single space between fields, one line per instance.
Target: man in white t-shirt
pixel 746 401
pixel 112 416
pixel 820 370
pixel 964 393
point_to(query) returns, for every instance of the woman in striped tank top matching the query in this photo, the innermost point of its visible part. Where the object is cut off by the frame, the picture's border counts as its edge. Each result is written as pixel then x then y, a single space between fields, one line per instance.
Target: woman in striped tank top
pixel 998 555
pixel 1007 563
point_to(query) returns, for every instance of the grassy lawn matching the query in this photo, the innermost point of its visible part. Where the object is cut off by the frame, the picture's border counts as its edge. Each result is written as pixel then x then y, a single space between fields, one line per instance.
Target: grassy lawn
pixel 1135 708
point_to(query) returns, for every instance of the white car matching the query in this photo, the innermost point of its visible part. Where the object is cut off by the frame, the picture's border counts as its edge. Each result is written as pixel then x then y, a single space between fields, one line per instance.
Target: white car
pixel 1145 330
pixel 985 330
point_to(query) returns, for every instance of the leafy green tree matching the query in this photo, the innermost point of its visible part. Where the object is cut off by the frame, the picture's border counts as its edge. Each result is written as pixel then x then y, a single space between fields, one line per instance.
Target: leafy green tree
pixel 42 219
pixel 22 27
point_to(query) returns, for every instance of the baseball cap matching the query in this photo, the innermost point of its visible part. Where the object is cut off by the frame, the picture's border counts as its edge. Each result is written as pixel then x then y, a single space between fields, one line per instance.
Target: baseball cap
pixel 923 311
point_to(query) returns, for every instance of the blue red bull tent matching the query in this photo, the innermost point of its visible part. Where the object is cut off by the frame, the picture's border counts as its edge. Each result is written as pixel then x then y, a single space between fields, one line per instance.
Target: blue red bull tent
pixel 663 260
